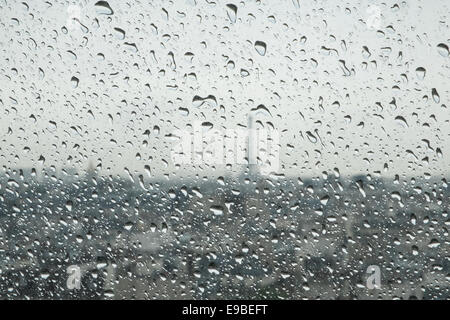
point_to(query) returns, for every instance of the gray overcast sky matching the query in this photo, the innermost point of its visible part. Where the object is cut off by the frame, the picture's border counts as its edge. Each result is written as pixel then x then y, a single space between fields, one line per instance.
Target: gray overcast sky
pixel 315 75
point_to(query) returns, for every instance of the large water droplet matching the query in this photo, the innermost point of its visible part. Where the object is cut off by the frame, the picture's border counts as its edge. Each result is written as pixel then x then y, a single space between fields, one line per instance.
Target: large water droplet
pixel 232 12
pixel 443 50
pixel 435 95
pixel 421 72
pixel 260 47
pixel 402 121
pixel 103 7
pixel 119 33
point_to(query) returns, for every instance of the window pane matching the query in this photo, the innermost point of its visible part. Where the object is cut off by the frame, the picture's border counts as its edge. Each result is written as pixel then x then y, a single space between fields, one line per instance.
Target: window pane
pixel 224 149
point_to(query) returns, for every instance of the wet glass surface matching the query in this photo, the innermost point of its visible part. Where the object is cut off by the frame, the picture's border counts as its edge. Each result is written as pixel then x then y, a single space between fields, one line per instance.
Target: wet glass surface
pixel 206 149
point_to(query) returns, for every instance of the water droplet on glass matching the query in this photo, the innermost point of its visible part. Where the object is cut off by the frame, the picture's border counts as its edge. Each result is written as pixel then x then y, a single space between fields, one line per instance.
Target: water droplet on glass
pixel 260 47
pixel 443 50
pixel 103 7
pixel 420 72
pixel 435 95
pixel 232 12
